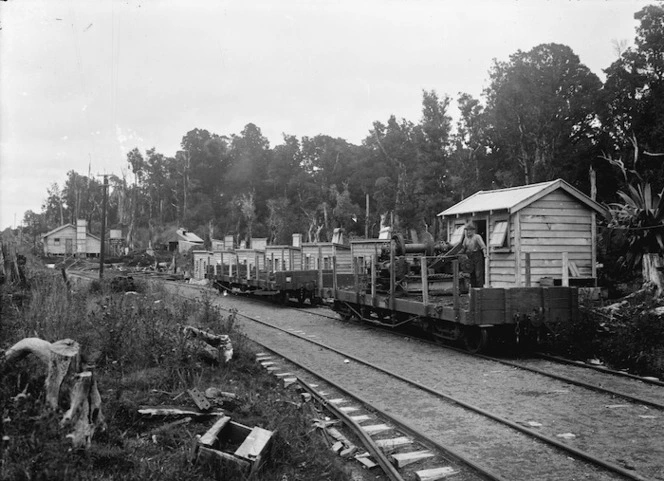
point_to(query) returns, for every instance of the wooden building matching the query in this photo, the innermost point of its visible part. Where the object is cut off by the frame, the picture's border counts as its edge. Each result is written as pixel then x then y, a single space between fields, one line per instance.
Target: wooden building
pixel 538 234
pixel 70 239
pixel 182 240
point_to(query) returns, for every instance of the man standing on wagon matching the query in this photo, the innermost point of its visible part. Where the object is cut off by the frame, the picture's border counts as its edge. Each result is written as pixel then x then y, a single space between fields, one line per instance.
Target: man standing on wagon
pixel 474 247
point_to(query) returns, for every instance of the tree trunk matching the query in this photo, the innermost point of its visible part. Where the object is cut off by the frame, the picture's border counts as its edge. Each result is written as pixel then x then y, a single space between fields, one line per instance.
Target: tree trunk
pixel 653 272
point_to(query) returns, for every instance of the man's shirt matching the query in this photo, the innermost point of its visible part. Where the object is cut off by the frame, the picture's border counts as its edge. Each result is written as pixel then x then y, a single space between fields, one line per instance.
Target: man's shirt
pixel 473 243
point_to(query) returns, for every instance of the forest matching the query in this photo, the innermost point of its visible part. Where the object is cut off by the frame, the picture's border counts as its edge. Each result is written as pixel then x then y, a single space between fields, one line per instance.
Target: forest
pixel 543 115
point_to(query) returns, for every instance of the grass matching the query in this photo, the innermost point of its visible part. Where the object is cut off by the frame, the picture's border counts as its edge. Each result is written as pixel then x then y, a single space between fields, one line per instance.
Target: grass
pixel 141 357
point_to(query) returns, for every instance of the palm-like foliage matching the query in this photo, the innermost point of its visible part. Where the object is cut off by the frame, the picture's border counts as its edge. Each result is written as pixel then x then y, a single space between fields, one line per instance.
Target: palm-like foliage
pixel 641 216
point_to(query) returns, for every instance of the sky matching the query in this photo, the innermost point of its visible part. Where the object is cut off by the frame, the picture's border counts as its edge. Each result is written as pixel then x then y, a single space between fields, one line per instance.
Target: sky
pixel 84 82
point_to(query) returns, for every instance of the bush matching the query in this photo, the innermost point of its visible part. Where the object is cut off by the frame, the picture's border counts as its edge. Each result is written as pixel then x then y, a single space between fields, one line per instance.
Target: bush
pixel 632 337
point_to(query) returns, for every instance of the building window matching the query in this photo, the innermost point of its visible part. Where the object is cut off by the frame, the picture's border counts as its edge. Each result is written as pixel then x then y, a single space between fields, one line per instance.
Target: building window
pixel 457 235
pixel 56 241
pixel 499 234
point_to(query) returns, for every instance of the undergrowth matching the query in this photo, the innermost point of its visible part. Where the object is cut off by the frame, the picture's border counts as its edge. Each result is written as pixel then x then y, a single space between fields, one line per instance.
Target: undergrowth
pixel 631 337
pixel 135 341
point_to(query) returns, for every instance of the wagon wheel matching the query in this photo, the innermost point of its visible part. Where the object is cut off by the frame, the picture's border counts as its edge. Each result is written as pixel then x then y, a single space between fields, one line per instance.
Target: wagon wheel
pixel 282 298
pixel 475 339
pixel 301 297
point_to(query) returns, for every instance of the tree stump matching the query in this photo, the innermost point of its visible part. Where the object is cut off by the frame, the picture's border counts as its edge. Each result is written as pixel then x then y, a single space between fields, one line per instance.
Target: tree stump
pixel 653 272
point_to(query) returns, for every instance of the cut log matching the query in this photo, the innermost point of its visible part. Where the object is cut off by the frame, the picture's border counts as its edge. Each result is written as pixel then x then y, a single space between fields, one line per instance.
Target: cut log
pixel 203 351
pixel 213 392
pixel 221 341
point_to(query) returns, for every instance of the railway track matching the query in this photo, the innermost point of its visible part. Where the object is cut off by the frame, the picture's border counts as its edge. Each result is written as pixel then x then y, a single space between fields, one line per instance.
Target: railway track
pixel 539 449
pixel 636 389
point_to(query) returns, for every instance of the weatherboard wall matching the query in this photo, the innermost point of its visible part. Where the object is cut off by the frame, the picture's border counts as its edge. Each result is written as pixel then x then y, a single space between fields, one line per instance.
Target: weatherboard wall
pixel 555 224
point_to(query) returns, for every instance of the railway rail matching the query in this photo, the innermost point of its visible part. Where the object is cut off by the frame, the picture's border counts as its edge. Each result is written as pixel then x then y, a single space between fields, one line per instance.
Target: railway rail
pixel 572 372
pixel 482 425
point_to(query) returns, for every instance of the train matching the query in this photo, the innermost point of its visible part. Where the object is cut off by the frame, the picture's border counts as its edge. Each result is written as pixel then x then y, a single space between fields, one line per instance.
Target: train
pixel 541 240
pixel 393 281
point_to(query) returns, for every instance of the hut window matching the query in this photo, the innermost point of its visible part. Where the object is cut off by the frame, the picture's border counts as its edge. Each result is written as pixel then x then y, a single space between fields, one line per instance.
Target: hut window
pixel 56 241
pixel 457 235
pixel 499 234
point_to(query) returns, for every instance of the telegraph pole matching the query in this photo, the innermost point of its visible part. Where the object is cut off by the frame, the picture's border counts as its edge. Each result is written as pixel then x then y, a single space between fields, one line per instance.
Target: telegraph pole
pixel 103 229
pixel 366 222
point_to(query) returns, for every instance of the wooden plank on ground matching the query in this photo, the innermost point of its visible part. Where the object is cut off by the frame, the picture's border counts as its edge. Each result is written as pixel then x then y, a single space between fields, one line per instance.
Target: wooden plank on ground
pixel 404 459
pixel 434 474
pixel 365 460
pixel 212 434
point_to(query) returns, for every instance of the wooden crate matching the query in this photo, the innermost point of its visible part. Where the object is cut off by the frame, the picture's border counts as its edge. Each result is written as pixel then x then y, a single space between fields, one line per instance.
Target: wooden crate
pixel 230 442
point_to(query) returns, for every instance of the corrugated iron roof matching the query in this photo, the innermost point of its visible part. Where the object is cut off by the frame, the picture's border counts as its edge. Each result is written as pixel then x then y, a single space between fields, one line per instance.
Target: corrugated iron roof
pixel 516 198
pixel 188 236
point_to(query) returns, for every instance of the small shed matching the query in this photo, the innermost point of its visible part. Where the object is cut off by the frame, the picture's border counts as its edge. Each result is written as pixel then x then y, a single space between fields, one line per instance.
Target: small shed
pixel 322 254
pixel 538 234
pixel 284 257
pixel 182 240
pixel 70 239
pixel 202 260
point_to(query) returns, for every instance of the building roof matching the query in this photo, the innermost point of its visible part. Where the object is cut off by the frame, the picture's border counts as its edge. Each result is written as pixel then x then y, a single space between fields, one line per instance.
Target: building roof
pixel 514 199
pixel 185 235
pixel 57 229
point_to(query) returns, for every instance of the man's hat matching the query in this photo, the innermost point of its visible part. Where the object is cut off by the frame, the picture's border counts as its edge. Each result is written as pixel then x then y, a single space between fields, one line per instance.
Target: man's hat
pixel 470 226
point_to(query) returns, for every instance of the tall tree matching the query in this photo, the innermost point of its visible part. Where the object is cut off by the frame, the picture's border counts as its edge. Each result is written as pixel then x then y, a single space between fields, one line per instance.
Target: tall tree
pixel 541 115
pixel 468 172
pixel 633 98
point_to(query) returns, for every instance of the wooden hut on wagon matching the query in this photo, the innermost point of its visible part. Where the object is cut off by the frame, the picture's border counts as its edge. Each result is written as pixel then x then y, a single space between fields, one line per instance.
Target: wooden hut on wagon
pixel 538 234
pixel 285 257
pixel 363 251
pixel 206 262
pixel 328 255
